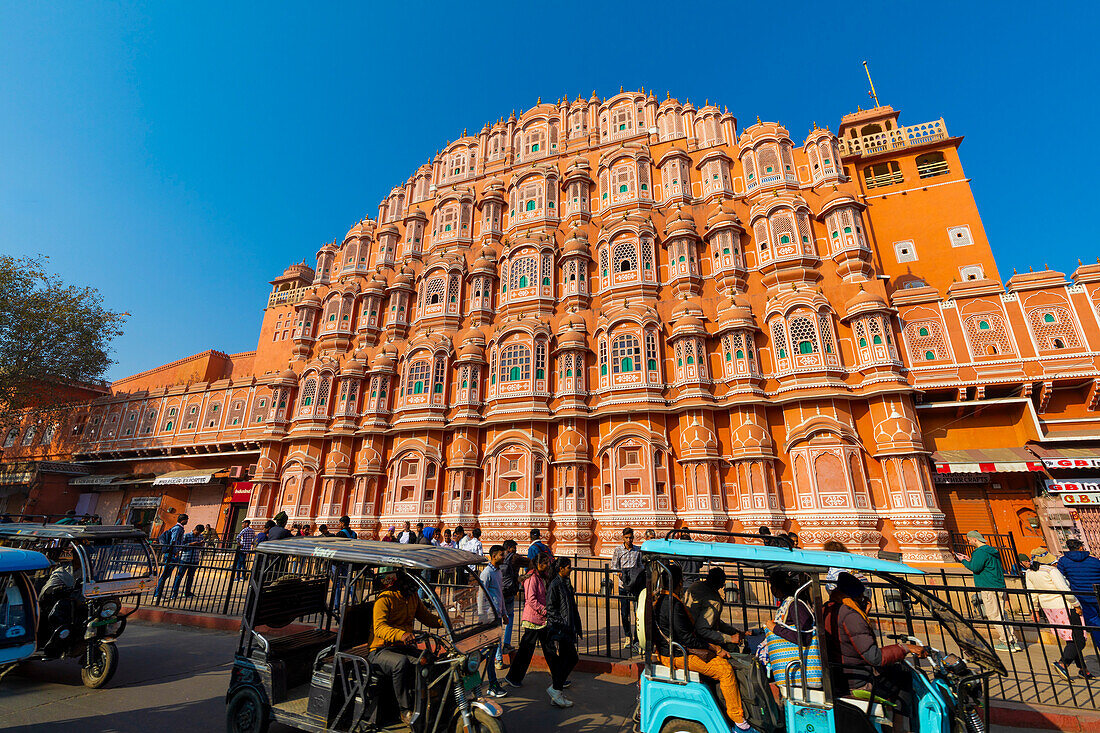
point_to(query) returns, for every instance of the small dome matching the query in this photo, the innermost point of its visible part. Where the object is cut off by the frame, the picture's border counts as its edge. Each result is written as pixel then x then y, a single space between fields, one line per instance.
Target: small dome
pixel 570 444
pixel 864 302
pixel 353 368
pixel 461 451
pixel 311 302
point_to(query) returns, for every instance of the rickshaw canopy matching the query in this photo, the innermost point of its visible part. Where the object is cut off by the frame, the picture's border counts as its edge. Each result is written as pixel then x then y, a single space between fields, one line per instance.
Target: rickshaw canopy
pixel 13 560
pixel 87 532
pixel 371 552
pixel 766 556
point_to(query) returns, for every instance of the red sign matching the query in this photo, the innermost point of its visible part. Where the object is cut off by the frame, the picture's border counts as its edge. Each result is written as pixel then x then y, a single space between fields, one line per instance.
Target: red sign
pixel 242 491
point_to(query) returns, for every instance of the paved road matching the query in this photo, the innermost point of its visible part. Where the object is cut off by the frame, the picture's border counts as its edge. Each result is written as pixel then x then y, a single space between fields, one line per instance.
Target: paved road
pixel 172 679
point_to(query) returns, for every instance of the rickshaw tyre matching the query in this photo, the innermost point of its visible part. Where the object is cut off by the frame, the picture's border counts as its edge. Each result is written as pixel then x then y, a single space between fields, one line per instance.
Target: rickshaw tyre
pixel 110 666
pixel 679 725
pixel 485 723
pixel 247 704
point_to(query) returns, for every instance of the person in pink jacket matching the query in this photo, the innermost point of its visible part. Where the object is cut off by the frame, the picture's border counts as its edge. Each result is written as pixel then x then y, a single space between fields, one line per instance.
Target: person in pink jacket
pixel 533 622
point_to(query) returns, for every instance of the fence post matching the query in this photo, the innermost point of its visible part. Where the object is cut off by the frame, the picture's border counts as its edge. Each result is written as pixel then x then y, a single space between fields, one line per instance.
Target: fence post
pixel 607 584
pixel 742 592
pixel 230 584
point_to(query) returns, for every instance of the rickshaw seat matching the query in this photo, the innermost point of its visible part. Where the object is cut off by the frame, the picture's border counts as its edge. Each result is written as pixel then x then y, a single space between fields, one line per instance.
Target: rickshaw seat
pixel 357 625
pixel 661 672
pixel 310 641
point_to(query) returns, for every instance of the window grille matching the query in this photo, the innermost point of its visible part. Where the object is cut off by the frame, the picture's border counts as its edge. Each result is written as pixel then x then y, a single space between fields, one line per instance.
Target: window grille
pixel 825 325
pixel 626 256
pixel 417 377
pixel 1051 324
pixel 803 336
pixel 625 354
pixel 309 393
pixel 515 363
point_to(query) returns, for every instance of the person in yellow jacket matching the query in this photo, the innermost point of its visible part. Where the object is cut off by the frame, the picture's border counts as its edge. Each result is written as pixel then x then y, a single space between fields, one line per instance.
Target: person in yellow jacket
pixel 395 611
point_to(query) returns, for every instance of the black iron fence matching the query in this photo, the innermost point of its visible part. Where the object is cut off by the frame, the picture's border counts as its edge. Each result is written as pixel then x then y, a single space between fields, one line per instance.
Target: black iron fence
pixel 1004 544
pixel 1031 631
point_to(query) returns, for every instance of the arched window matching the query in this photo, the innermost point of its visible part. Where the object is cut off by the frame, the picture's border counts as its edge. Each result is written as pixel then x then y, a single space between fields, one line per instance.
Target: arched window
pixel 922 331
pixel 931 165
pixel 625 354
pixel 309 392
pixel 515 363
pixel 418 377
pixel 930 355
pixel 983 325
pixel 626 256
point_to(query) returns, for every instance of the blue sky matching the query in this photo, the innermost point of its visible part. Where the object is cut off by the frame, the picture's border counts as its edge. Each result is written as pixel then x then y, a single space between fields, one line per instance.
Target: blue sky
pixel 177 156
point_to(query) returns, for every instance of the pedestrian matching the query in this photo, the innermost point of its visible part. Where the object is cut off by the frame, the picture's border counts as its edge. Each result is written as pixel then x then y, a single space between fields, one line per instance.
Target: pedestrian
pixel 794 540
pixel 69 518
pixel 448 541
pixel 533 623
pixel 626 560
pixel 307 530
pixel 564 625
pixel 389 536
pixel 406 536
pixel 509 586
pixel 279 530
pixel 295 530
pixel 426 534
pixel 649 535
pixel 190 554
pixel 169 542
pixel 1060 607
pixel 322 531
pixel 246 541
pixel 345 530
pixel 263 535
pixel 1082 572
pixel 537 546
pixel 490 605
pixel 989 579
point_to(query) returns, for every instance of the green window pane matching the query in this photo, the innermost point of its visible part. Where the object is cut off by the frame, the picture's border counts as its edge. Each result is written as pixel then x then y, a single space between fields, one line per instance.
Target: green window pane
pixel 862 341
pixel 805 347
pixel 929 356
pixel 922 331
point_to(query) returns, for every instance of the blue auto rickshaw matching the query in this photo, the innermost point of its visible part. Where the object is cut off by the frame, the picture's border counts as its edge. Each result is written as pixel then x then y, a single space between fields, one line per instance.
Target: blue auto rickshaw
pixel 949 689
pixel 18 605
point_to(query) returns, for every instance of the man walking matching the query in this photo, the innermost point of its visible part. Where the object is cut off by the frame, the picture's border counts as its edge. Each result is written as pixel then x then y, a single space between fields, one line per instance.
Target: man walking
pixel 279 531
pixel 170 540
pixel 1082 570
pixel 345 530
pixel 627 561
pixel 490 602
pixel 537 547
pixel 989 579
pixel 246 540
pixel 509 586
pixel 406 535
pixel 190 553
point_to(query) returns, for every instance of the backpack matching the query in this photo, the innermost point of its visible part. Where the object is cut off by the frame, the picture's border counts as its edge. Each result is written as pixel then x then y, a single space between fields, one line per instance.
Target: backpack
pixel 166 537
pixel 634 579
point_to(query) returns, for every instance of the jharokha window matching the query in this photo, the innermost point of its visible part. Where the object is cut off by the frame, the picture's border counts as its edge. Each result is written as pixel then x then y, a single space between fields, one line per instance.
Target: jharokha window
pixel 626 354
pixel 417 382
pixel 515 363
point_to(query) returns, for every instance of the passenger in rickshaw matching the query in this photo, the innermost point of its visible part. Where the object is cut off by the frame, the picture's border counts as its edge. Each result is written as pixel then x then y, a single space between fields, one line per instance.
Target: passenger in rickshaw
pixel 57 599
pixel 397 608
pixel 791 632
pixel 705 599
pixel 850 643
pixel 707 659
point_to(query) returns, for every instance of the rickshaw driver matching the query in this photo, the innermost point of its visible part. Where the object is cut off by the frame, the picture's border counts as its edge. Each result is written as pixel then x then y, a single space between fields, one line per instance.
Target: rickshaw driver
pixel 398 606
pixel 709 660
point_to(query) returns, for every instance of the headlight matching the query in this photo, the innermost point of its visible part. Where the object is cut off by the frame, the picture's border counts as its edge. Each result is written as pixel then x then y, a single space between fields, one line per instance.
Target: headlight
pixel 108 609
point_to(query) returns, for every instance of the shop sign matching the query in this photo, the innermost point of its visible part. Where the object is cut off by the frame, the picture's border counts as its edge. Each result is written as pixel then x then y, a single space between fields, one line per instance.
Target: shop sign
pixel 242 492
pixel 1091 498
pixel 1072 462
pixel 1074 487
pixel 145 502
pixel 960 478
pixel 181 480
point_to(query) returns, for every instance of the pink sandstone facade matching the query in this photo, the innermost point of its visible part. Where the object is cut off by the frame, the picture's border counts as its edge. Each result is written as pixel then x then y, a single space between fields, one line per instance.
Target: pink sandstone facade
pixel 629 311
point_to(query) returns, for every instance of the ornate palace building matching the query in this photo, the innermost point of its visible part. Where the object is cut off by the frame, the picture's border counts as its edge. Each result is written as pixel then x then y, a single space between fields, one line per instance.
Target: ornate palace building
pixel 631 311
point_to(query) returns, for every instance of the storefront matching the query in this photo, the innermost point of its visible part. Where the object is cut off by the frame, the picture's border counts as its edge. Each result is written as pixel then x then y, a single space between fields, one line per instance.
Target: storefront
pixel 235 511
pixel 1073 495
pixel 198 492
pixel 993 491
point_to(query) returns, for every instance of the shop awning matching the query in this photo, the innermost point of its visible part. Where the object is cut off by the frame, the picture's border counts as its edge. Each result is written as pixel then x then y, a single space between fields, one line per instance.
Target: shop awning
pixel 94 480
pixel 192 476
pixel 1067 457
pixel 986 460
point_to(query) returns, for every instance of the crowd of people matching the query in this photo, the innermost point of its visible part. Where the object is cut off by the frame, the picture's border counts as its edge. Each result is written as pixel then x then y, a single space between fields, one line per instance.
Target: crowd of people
pixel 691 603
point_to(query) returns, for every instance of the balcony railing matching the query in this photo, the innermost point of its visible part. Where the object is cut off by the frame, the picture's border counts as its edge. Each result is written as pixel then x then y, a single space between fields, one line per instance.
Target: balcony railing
pixel 283 297
pixel 885 179
pixel 931 170
pixel 902 137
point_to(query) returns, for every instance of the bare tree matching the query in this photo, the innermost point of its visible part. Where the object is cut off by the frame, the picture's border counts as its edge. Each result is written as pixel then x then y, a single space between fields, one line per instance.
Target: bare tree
pixel 53 336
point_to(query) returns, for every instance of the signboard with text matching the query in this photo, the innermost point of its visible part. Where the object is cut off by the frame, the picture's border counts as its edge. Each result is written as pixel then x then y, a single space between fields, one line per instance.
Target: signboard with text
pixel 1074 487
pixel 1072 462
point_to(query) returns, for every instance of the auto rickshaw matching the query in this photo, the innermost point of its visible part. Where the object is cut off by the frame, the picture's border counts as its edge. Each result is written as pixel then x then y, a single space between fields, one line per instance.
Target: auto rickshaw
pixel 18 605
pixel 304 655
pixel 950 696
pixel 96 570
